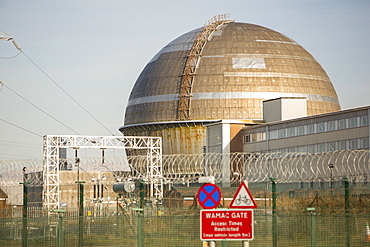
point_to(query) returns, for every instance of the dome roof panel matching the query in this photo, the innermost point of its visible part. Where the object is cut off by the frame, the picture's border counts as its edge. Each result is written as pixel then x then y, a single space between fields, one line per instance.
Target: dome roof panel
pixel 239 63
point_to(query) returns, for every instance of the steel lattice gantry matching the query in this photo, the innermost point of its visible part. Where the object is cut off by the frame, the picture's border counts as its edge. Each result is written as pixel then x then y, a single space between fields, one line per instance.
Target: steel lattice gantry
pixel 52 144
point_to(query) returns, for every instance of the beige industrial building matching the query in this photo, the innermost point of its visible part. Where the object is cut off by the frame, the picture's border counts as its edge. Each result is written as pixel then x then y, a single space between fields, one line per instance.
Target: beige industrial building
pixel 335 131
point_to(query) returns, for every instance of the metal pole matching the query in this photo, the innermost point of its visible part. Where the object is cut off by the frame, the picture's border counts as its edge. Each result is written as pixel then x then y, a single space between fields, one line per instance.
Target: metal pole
pixel 142 193
pixel 347 207
pixel 24 215
pixel 60 231
pixel 274 230
pixel 313 226
pixel 140 240
pixel 346 195
pixel 80 212
pixel 223 243
pixel 245 243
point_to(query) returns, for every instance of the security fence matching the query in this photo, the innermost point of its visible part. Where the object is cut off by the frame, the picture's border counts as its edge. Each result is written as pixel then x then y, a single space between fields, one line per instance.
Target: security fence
pixel 302 200
pixel 300 229
pixel 180 168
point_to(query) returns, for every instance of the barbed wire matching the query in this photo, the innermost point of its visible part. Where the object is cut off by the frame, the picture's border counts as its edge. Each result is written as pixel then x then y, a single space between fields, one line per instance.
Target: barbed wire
pixel 180 168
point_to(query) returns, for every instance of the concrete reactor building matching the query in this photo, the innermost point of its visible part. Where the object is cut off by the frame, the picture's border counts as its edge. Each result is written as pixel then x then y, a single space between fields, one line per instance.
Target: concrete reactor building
pixel 222 73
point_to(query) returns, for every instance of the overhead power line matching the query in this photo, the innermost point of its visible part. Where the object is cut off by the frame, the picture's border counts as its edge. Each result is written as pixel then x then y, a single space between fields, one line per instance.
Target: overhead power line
pixel 20 127
pixel 38 108
pixel 4 36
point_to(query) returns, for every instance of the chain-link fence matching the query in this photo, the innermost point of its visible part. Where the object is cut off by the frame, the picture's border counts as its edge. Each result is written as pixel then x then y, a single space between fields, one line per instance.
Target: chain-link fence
pixel 301 229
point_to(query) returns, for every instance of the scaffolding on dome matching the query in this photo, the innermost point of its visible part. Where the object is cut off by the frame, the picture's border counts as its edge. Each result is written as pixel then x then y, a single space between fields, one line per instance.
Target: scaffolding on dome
pixel 192 62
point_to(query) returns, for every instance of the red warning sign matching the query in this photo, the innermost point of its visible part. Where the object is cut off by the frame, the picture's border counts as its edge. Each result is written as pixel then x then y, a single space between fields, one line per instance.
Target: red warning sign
pixel 243 198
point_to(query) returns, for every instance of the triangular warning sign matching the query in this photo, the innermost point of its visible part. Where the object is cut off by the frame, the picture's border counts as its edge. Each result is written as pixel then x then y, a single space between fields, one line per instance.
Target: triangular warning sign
pixel 243 198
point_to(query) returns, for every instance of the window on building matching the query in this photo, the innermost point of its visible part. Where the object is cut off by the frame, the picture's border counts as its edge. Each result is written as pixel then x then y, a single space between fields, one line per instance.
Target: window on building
pixel 261 136
pixel 254 137
pixel 353 144
pixel 364 143
pixel 310 129
pixel 283 151
pixel 302 149
pixel 282 133
pixel 301 185
pixel 331 125
pixel 311 184
pixel 364 120
pixel 342 145
pixel 320 127
pixel 273 134
pixel 331 183
pixel 300 130
pixel 321 148
pixel 342 124
pixel 342 183
pixel 291 132
pixel 331 146
pixel 247 138
pixel 353 122
pixel 321 184
pixel 311 149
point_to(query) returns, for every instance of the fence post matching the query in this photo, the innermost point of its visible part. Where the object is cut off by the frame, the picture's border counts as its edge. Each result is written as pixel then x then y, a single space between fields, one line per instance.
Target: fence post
pixel 140 212
pixel 140 242
pixel 80 212
pixel 25 215
pixel 347 207
pixel 313 226
pixel 274 230
pixel 60 233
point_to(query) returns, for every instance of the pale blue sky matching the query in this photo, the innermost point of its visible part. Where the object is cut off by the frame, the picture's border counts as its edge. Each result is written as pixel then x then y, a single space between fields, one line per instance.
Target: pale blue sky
pixel 95 50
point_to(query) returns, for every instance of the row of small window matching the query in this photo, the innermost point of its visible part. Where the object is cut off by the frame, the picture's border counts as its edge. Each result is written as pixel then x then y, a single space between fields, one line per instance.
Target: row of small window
pixel 332 183
pixel 327 147
pixel 309 129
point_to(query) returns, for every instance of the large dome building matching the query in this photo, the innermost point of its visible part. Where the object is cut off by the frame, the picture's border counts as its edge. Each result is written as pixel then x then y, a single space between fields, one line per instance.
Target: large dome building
pixel 222 71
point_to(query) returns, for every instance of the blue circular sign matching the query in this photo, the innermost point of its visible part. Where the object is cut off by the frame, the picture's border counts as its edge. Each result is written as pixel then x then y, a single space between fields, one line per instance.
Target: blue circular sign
pixel 209 196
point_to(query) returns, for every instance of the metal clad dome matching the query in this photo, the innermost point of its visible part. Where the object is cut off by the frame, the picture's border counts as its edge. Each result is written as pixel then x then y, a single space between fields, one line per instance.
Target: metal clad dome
pixel 240 65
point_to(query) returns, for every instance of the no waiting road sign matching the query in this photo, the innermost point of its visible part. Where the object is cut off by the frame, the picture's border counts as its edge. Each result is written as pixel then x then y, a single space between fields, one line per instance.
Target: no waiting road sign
pixel 209 196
